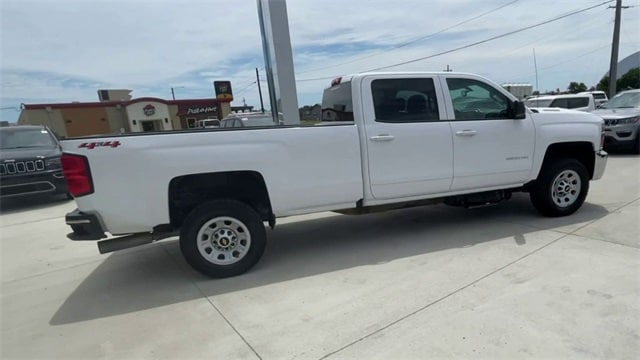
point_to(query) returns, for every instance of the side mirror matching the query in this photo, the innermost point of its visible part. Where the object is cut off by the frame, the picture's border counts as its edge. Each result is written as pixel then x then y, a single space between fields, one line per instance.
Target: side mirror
pixel 519 111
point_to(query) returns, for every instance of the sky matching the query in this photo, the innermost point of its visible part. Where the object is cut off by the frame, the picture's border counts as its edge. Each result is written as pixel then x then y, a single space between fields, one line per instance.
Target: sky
pixel 65 50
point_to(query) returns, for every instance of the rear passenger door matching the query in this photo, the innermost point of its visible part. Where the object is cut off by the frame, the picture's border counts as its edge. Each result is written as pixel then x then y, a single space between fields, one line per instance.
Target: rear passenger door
pixel 409 147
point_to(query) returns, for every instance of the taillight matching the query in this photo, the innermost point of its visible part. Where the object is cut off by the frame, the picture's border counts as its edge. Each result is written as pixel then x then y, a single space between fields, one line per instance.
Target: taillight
pixel 77 174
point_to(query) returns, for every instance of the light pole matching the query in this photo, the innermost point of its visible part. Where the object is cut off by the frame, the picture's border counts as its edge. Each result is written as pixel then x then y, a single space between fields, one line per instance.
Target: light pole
pixel 173 94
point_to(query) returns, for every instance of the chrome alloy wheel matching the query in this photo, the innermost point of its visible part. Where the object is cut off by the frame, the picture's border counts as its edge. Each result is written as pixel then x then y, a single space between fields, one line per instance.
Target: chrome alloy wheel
pixel 566 188
pixel 224 240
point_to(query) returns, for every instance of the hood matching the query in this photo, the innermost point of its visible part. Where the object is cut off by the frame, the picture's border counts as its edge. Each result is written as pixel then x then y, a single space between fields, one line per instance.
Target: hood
pixel 564 116
pixel 28 153
pixel 617 113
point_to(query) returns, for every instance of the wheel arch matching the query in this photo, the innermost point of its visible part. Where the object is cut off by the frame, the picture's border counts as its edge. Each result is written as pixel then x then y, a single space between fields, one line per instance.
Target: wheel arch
pixel 582 151
pixel 186 192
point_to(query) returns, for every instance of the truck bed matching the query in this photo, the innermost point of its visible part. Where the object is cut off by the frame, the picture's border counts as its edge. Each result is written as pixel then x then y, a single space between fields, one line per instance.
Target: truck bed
pixel 305 168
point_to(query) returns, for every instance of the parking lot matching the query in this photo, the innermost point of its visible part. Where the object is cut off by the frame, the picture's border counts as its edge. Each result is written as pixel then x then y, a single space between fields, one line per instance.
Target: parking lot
pixel 431 282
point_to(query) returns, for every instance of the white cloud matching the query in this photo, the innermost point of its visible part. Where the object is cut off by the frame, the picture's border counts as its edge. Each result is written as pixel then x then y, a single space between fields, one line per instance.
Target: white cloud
pixel 64 49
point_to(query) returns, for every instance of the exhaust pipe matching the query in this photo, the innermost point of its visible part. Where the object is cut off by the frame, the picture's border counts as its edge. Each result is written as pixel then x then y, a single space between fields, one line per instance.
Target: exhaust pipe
pixel 133 240
pixel 125 242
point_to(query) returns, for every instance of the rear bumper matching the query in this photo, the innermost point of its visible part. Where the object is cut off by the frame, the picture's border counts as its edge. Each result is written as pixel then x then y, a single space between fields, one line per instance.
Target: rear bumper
pixel 85 226
pixel 600 164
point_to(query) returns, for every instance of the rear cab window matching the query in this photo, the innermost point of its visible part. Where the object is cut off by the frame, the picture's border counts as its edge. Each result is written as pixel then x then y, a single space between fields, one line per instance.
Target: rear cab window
pixel 570 103
pixel 337 104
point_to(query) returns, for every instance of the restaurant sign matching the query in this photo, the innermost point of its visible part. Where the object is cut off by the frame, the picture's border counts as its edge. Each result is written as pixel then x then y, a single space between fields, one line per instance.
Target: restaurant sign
pixel 194 110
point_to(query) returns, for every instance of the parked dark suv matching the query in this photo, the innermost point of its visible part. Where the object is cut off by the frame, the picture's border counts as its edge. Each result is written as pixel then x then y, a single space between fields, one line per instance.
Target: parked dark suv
pixel 30 162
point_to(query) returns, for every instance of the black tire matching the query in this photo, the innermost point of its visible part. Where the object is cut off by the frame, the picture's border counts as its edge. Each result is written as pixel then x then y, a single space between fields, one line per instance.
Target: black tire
pixel 636 146
pixel 542 194
pixel 242 220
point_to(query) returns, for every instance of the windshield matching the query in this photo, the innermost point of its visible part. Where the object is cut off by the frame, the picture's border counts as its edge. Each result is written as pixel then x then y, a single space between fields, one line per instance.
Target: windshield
pixel 25 138
pixel 624 101
pixel 538 103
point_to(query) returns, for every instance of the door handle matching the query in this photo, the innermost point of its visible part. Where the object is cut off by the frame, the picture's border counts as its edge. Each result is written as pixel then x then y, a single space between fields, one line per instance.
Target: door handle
pixel 382 137
pixel 465 133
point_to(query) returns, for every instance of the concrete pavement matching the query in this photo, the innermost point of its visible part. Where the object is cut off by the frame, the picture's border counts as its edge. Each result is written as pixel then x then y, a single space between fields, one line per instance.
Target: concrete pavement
pixel 432 282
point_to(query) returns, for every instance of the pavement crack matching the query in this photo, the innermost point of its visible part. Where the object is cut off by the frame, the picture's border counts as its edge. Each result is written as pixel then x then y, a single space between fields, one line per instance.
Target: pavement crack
pixel 51 271
pixel 32 221
pixel 564 235
pixel 214 306
pixel 606 241
pixel 442 298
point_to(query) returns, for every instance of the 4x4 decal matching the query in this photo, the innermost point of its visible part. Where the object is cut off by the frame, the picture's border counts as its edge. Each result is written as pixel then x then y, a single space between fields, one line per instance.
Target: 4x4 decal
pixel 91 145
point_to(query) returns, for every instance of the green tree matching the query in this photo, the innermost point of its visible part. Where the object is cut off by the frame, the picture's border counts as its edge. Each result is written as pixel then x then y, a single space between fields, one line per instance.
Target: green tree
pixel 603 85
pixel 630 80
pixel 576 87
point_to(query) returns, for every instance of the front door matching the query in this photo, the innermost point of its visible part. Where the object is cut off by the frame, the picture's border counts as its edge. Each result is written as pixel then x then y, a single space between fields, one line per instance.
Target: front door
pixel 148 125
pixel 409 146
pixel 491 149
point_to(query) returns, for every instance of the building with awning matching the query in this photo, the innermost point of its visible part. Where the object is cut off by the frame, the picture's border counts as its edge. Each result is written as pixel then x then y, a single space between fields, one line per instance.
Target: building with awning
pixel 106 117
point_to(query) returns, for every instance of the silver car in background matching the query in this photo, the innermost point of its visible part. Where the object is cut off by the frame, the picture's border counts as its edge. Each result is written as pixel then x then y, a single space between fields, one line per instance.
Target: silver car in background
pixel 621 116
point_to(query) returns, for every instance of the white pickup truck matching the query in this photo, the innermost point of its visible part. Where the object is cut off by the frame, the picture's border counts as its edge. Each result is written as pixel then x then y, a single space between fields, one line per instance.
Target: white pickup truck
pixel 399 140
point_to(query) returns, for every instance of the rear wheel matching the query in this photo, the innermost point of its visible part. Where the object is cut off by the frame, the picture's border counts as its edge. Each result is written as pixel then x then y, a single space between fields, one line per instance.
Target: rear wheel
pixel 561 188
pixel 223 238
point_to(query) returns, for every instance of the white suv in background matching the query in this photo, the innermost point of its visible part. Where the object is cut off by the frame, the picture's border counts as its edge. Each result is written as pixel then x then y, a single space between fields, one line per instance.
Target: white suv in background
pixel 584 102
pixel 599 96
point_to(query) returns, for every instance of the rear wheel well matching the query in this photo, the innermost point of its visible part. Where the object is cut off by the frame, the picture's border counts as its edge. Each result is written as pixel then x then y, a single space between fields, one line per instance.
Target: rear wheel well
pixel 581 151
pixel 188 191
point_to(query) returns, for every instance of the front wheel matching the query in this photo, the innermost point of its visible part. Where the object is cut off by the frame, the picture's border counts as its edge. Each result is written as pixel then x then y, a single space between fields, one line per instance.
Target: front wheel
pixel 222 238
pixel 561 188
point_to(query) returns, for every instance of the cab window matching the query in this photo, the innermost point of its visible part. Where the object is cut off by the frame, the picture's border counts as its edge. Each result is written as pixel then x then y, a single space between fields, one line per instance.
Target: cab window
pixel 405 100
pixel 476 100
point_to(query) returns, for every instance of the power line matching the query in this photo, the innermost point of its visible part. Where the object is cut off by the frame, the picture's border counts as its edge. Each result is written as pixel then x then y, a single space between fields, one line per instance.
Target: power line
pixel 576 57
pixel 411 41
pixel 245 88
pixel 494 37
pixel 559 17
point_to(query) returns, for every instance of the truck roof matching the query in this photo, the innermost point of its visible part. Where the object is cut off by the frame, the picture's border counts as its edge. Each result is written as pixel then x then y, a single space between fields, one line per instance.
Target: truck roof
pixel 349 77
pixel 21 127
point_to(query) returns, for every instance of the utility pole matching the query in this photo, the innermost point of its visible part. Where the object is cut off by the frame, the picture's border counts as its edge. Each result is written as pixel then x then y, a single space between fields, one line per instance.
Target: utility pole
pixel 535 65
pixel 173 95
pixel 259 90
pixel 613 67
